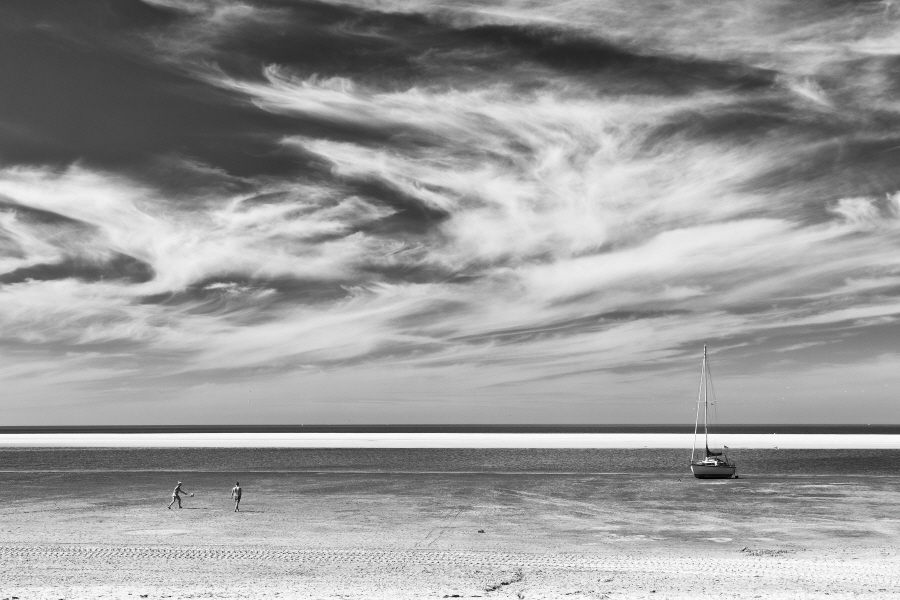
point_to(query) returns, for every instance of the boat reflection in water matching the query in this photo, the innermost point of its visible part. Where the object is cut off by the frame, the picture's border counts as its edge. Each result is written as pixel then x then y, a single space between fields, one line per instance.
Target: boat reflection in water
pixel 712 465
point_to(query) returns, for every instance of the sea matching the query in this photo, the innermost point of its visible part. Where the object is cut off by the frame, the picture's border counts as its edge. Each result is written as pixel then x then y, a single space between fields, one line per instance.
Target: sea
pixel 641 461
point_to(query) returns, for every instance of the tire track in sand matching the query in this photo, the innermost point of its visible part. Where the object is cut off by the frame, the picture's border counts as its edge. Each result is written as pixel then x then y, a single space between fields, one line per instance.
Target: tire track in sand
pixel 588 562
pixel 737 571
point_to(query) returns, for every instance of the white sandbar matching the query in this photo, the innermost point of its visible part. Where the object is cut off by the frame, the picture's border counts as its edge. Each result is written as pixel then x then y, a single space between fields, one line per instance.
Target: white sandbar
pixel 442 440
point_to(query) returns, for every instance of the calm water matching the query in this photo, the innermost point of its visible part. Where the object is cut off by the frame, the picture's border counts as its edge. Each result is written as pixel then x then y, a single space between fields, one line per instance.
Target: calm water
pixel 890 429
pixel 661 461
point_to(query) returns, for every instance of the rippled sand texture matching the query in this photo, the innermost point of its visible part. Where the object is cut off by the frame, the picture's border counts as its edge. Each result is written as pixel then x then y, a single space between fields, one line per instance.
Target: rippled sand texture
pixel 347 535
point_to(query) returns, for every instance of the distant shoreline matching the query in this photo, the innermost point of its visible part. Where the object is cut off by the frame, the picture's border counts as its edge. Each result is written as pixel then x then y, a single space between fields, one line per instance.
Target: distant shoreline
pixel 584 440
pixel 825 429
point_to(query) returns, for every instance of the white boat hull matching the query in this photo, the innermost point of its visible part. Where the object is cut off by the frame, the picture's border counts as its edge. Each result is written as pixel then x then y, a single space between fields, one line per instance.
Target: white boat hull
pixel 713 471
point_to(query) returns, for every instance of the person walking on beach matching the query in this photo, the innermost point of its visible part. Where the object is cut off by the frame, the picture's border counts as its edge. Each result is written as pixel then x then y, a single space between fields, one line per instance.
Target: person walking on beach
pixel 236 494
pixel 176 495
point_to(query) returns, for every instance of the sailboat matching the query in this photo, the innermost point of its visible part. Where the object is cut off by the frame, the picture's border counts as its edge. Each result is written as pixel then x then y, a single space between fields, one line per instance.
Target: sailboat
pixel 712 465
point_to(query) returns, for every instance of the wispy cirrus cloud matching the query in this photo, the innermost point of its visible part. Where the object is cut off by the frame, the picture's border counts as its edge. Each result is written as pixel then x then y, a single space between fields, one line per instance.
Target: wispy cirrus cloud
pixel 509 200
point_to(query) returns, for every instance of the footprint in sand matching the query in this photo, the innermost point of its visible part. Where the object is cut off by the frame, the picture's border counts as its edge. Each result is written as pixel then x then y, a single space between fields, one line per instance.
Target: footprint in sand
pixel 158 532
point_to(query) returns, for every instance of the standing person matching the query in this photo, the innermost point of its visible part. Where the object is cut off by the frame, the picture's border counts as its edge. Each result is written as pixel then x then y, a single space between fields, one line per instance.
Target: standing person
pixel 176 495
pixel 236 494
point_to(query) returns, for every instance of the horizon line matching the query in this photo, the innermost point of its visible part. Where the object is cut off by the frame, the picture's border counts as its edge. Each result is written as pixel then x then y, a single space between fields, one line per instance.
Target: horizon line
pixel 531 428
pixel 447 440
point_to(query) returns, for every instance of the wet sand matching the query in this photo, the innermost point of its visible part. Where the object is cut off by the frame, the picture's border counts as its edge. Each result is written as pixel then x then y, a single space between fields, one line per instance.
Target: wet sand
pixel 346 535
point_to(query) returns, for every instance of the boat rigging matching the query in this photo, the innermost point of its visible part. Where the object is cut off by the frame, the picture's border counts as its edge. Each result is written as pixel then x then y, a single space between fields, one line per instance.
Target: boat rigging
pixel 712 465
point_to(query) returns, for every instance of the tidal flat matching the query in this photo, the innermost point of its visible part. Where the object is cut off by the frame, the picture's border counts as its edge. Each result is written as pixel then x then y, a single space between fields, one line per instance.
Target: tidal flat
pixel 322 533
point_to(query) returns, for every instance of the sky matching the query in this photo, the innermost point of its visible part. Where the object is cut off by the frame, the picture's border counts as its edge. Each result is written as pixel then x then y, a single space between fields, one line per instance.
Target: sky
pixel 391 211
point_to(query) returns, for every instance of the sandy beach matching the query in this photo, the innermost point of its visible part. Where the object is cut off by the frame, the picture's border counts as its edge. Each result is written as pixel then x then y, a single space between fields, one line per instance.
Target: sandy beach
pixel 446 535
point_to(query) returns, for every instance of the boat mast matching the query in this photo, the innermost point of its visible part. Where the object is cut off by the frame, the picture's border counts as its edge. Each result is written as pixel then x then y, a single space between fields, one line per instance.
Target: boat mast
pixel 699 400
pixel 705 404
